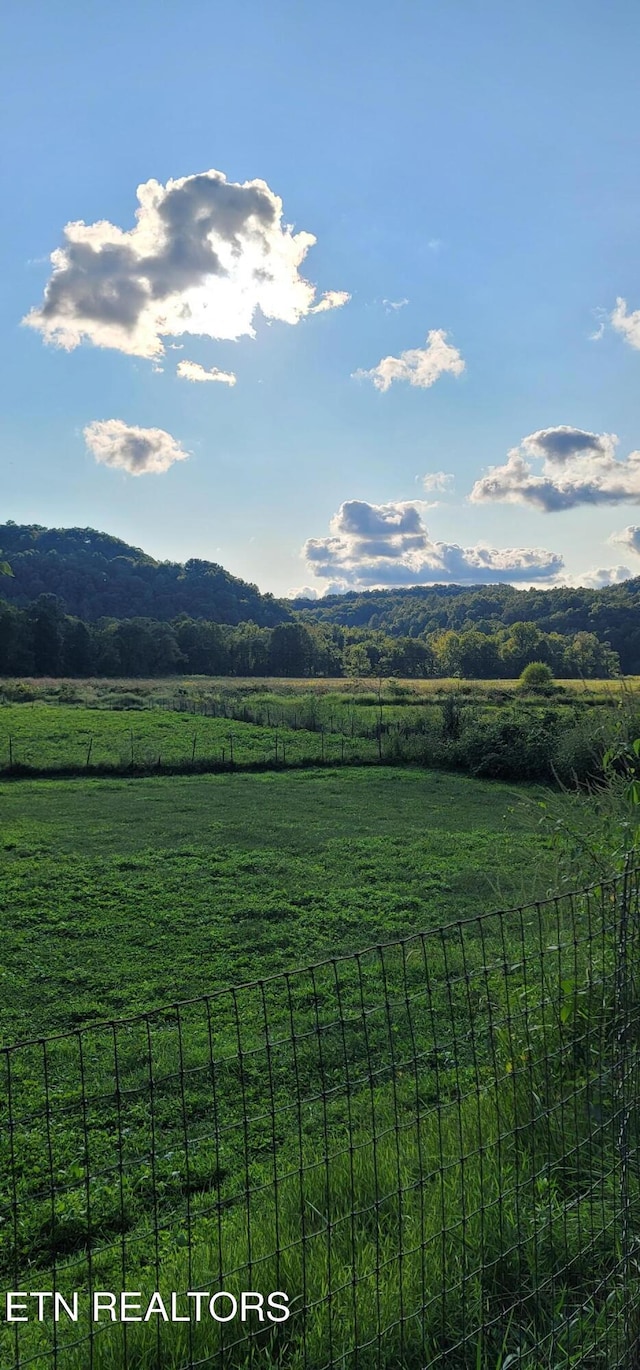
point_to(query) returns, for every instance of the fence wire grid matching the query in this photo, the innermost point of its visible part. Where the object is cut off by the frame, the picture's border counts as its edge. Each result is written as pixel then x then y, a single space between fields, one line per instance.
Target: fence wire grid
pixel 429 1148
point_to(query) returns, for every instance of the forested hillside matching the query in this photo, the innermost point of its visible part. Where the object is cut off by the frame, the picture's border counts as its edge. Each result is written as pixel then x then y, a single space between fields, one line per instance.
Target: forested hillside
pixel 612 614
pixel 79 602
pixel 97 576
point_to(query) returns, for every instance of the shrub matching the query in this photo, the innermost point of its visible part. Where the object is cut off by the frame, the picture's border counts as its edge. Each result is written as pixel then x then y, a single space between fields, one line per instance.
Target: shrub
pixel 537 678
pixel 452 717
pixel 579 755
pixel 511 747
pixel 127 701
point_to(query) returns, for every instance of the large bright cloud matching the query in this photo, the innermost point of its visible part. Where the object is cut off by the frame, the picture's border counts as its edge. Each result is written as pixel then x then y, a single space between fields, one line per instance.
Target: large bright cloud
pixel 577 468
pixel 628 324
pixel 388 544
pixel 204 256
pixel 140 451
pixel 421 366
pixel 193 371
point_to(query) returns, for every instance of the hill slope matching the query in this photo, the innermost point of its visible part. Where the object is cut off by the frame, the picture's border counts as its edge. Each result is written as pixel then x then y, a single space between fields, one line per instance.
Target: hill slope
pixel 613 613
pixel 98 576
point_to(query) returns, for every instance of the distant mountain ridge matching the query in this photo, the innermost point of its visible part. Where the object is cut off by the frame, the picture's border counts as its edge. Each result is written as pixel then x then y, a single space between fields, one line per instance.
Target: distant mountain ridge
pixel 612 613
pixel 98 576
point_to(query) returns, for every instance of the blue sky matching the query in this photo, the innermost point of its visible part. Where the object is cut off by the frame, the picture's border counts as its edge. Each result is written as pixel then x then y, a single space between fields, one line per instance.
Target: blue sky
pixel 479 162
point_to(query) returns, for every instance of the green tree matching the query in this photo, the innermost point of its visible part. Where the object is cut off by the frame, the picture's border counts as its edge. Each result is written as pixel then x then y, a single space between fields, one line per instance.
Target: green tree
pixel 525 643
pixel 290 650
pixel 77 650
pixel 356 660
pixel 47 629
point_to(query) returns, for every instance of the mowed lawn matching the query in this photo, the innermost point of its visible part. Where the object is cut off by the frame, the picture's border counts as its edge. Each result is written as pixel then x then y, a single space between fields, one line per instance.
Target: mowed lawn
pixel 121 895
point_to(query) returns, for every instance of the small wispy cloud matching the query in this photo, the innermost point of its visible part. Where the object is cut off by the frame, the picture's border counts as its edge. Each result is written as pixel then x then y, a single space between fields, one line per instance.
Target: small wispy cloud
pixel 437 480
pixel 602 319
pixel 193 371
pixel 436 483
pixel 394 305
pixel 332 299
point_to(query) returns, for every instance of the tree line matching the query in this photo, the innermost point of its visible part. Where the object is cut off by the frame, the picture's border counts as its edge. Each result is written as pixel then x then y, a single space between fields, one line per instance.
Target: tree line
pixel 612 614
pixel 43 640
pixel 99 579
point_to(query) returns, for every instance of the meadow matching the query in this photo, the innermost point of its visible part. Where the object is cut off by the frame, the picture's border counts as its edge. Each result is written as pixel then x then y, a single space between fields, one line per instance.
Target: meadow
pixel 129 893
pixel 332 1125
pixel 489 729
pixel 119 895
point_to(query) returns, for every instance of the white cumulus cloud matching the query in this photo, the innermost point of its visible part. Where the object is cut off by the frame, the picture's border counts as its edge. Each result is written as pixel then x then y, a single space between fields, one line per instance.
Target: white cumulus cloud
pixel 193 371
pixel 140 451
pixel 578 467
pixel 421 366
pixel 204 256
pixel 628 324
pixel 628 537
pixel 601 577
pixel 388 544
pixel 304 592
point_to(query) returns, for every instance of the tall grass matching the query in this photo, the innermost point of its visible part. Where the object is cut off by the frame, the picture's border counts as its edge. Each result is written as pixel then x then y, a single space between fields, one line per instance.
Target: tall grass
pixel 465 1212
pixel 441 1242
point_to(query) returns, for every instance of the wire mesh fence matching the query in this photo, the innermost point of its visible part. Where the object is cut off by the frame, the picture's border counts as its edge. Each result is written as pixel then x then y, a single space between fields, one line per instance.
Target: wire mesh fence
pixel 421 1155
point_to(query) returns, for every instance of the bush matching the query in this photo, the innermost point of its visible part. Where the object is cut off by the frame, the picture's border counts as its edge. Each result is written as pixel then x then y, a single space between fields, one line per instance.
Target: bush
pixel 511 747
pixel 537 678
pixel 126 701
pixel 579 754
pixel 452 717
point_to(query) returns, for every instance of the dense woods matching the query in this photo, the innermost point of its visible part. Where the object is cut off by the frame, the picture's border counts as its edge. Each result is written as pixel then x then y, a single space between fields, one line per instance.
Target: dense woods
pixel 78 602
pixel 97 576
pixel 611 614
pixel 42 640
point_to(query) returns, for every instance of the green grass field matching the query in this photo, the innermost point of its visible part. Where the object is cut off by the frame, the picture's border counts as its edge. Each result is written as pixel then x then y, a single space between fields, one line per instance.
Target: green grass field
pixel 97 728
pixel 124 895
pixel 118 895
pixel 46 738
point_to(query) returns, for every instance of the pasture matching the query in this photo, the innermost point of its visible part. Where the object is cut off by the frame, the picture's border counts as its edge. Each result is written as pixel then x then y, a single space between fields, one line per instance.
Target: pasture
pixel 123 895
pixel 490 730
pixel 119 895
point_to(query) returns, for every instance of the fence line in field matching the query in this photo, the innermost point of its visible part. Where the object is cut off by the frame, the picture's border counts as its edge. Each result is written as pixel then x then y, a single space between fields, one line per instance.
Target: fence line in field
pixel 425 1152
pixel 138 756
